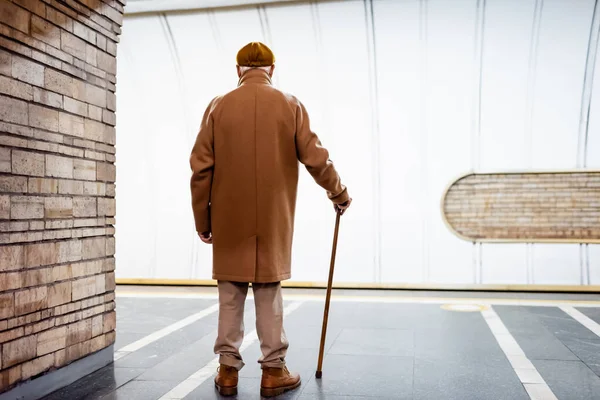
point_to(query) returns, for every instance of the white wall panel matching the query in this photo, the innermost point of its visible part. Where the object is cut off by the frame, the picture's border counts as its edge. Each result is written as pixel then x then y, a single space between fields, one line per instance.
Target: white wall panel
pixel 435 120
pixel 398 45
pixel 447 134
pixel 561 57
pixel 154 218
pixel 504 109
pixel 348 125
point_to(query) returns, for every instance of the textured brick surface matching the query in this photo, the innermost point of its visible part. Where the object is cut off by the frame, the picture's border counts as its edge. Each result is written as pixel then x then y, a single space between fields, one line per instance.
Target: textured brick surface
pixel 57 154
pixel 526 207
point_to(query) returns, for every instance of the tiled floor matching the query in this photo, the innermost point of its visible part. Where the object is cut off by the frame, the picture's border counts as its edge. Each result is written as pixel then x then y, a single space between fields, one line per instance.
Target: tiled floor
pixel 381 345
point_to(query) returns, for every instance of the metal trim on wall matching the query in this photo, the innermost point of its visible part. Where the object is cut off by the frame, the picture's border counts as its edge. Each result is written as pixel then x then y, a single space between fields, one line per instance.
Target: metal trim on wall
pixel 379 286
pixel 483 240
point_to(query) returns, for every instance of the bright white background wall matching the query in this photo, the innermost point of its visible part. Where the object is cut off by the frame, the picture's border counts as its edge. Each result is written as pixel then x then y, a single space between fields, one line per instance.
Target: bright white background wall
pixel 407 95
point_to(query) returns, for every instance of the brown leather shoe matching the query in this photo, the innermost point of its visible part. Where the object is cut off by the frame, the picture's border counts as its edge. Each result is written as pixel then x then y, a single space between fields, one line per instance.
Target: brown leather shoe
pixel 276 381
pixel 226 380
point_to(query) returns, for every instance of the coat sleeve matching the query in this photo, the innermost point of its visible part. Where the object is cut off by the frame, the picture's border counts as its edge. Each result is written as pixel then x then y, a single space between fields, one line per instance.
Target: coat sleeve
pixel 315 158
pixel 202 162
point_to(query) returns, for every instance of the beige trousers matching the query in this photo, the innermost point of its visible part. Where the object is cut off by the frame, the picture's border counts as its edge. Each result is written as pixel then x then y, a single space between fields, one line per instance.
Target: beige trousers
pixel 268 303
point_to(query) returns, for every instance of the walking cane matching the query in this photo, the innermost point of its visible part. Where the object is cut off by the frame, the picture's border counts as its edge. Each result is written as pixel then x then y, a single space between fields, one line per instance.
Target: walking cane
pixel 319 373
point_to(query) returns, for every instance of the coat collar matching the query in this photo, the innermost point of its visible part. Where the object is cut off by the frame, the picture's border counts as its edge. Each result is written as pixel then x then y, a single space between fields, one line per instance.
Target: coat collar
pixel 255 76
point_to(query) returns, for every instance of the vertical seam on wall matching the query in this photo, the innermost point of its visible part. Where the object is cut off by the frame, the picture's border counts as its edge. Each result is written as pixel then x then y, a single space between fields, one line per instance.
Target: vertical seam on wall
pixel 186 115
pixel 532 66
pixel 584 121
pixel 423 126
pixel 374 100
pixel 476 121
pixel 316 20
pixel 266 32
pixel 586 93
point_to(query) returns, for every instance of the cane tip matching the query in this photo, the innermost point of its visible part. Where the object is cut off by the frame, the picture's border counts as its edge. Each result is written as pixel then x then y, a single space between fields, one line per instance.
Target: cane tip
pixel 319 374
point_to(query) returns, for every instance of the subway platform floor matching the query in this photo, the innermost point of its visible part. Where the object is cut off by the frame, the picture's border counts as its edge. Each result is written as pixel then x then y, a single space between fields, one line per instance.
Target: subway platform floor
pixel 380 345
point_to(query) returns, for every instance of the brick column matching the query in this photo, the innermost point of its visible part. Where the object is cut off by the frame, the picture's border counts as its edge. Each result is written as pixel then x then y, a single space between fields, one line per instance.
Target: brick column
pixel 57 174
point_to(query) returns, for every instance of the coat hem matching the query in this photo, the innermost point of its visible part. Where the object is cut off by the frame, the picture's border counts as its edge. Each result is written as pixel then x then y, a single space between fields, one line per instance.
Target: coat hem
pixel 234 278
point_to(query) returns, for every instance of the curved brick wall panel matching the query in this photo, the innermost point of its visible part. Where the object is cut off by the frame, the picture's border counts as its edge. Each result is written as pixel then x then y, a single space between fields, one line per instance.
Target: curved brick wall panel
pixel 57 174
pixel 527 207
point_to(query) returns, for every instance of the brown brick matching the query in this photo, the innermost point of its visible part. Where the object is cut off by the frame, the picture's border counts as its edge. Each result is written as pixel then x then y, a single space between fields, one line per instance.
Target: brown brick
pixel 58 207
pixel 95 112
pixel 5 63
pixel 84 207
pixel 71 124
pixel 79 332
pixel 110 282
pixel 70 251
pixel 94 248
pixel 12 184
pixel 110 321
pixel 45 31
pixel 42 117
pixel 4 207
pixel 31 300
pixel 82 288
pixel 78 351
pixel 97 343
pixel 10 280
pixel 37 366
pixel 45 59
pixel 18 351
pixel 5 162
pixel 14 16
pixel 14 88
pixel 59 293
pixel 51 340
pixel 84 169
pixel 13 110
pixel 70 187
pixel 60 167
pixel 35 277
pixel 75 107
pixel 12 334
pixel 11 258
pixel 26 207
pixel 111 48
pixel 111 101
pixel 35 7
pixel 106 172
pixel 72 45
pixel 9 377
pixel 36 225
pixel 27 71
pixel 48 98
pixel 41 254
pixel 97 325
pixel 60 358
pixel 59 82
pixel 106 207
pixel 92 188
pixel 7 305
pixel 13 226
pixel 43 185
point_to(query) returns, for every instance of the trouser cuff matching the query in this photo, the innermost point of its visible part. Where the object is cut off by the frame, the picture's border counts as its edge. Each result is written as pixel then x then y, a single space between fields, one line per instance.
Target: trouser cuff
pixel 231 361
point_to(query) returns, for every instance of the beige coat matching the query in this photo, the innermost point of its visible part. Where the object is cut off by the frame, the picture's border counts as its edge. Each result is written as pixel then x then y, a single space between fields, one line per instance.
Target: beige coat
pixel 245 178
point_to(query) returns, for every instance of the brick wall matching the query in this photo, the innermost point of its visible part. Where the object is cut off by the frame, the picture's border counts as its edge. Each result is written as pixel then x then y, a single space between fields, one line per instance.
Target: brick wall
pixel 526 207
pixel 57 174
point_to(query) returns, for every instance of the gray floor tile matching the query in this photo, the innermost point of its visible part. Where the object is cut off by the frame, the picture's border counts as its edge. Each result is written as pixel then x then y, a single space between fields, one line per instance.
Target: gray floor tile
pixel 375 376
pixel 591 312
pixel 248 388
pixel 537 340
pixel 375 342
pixel 463 380
pixel 156 352
pixel 180 365
pixel 96 385
pixel 140 390
pixel 570 380
pixel 321 396
pixel 582 342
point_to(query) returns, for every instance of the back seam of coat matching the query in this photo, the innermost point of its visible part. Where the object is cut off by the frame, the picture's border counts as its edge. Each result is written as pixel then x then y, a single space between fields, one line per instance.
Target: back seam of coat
pixel 255 181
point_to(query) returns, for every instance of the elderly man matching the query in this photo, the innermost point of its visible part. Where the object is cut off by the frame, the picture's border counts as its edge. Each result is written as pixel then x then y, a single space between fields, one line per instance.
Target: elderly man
pixel 244 183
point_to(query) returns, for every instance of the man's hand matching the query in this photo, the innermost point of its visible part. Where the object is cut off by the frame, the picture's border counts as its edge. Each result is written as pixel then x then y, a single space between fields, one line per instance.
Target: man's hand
pixel 206 237
pixel 341 208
